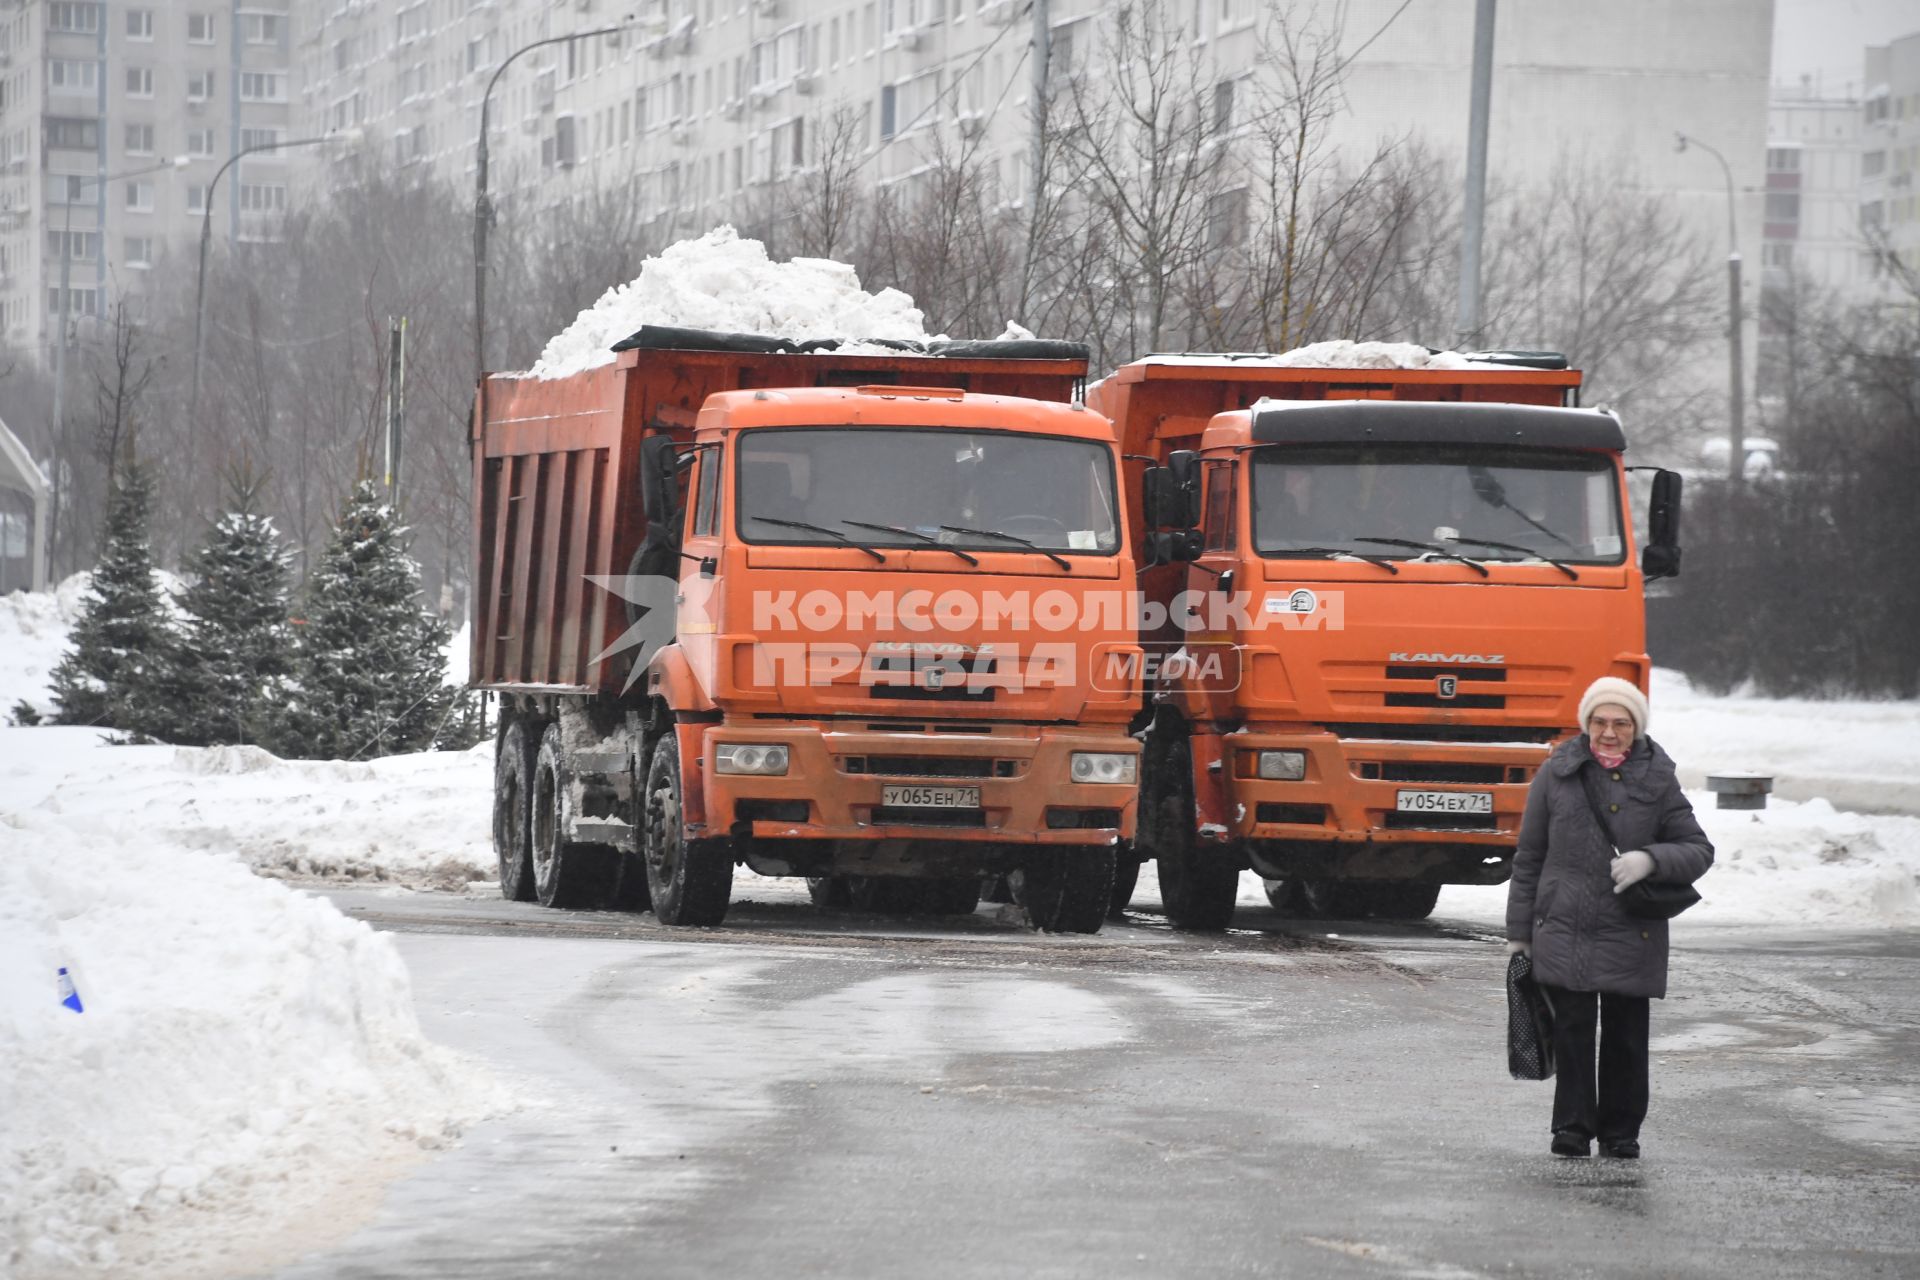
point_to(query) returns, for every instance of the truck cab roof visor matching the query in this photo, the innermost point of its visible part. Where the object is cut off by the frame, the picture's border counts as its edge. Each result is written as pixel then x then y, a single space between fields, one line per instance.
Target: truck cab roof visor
pixel 1430 422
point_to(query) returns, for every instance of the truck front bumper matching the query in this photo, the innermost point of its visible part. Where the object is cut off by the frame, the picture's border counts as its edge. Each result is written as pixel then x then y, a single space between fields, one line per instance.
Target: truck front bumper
pixel 1376 791
pixel 835 781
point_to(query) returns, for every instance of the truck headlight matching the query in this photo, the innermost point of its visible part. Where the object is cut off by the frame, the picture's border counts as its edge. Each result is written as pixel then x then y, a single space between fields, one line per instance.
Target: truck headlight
pixel 746 757
pixel 1104 766
pixel 1282 766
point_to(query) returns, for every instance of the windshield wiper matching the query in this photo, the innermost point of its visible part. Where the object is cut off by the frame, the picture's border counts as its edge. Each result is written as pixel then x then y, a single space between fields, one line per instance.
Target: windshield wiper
pixel 1487 488
pixel 1433 550
pixel 820 528
pixel 1382 561
pixel 1528 552
pixel 1060 560
pixel 914 533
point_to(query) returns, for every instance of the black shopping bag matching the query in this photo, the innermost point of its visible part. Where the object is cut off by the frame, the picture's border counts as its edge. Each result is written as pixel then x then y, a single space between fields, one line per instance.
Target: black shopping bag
pixel 1529 1023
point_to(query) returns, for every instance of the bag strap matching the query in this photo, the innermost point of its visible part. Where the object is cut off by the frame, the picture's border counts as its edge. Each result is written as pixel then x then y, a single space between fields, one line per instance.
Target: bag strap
pixel 1593 805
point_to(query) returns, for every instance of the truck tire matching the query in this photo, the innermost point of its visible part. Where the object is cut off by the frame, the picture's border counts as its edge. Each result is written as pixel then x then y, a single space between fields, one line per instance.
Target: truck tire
pixel 690 881
pixel 1405 901
pixel 1126 878
pixel 830 893
pixel 1337 899
pixel 1197 887
pixel 565 874
pixel 1067 890
pixel 1284 896
pixel 512 812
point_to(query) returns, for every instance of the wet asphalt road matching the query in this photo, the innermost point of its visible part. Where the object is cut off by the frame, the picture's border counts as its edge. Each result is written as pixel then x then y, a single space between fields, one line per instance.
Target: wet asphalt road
pixel 801 1094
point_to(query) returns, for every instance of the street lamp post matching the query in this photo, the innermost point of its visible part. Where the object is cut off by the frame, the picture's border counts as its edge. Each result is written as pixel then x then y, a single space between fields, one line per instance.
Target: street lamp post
pixel 66 277
pixel 1736 431
pixel 483 204
pixel 206 240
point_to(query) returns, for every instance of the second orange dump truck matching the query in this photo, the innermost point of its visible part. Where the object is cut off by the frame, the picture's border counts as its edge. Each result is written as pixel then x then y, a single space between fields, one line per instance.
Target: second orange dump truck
pixel 1376 597
pixel 815 613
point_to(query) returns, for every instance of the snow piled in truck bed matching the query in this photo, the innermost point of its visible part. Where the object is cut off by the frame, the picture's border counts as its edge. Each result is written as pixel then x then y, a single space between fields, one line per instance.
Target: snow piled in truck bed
pixel 246 1054
pixel 723 282
pixel 1341 353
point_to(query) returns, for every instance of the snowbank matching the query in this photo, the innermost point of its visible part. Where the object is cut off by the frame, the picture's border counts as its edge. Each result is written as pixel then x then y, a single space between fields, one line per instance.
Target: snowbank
pixel 723 282
pixel 420 820
pixel 1859 755
pixel 33 636
pixel 245 1052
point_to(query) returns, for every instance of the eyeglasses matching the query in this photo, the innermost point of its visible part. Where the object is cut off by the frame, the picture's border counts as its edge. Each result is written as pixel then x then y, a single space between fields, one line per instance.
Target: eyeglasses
pixel 1617 726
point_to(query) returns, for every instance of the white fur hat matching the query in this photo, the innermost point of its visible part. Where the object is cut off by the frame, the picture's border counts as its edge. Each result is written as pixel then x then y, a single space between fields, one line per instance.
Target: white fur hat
pixel 1612 689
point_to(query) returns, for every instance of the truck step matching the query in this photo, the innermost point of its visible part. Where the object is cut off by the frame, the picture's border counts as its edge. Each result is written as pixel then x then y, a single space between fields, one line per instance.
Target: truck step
pixel 604 763
pixel 601 831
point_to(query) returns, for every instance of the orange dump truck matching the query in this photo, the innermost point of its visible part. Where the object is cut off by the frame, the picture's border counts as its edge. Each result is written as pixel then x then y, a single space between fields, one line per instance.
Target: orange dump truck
pixel 819 614
pixel 1375 597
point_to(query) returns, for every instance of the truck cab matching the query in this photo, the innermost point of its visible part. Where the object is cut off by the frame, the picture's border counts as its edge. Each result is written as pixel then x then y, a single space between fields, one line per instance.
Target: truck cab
pixel 1385 603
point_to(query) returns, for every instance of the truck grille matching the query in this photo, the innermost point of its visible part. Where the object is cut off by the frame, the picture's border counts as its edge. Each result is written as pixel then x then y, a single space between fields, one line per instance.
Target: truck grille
pixel 896 677
pixel 1442 822
pixel 1437 771
pixel 1449 732
pixel 929 817
pixel 932 766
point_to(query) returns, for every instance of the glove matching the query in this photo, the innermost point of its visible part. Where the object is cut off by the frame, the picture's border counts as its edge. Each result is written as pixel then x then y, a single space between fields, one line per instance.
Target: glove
pixel 1630 869
pixel 1519 948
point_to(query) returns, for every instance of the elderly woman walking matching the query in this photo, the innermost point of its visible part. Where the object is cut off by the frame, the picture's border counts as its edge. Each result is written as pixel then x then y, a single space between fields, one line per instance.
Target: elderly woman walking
pixel 1609 790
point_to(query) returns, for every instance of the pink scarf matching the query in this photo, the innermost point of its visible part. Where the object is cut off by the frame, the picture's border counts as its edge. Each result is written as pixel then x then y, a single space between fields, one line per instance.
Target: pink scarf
pixel 1606 761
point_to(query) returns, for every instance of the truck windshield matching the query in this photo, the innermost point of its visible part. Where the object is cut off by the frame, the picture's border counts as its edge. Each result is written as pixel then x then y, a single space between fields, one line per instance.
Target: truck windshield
pixel 915 486
pixel 1487 503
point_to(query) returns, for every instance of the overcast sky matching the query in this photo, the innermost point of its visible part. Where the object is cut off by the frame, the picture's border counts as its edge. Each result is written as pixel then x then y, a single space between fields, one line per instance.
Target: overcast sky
pixel 1827 39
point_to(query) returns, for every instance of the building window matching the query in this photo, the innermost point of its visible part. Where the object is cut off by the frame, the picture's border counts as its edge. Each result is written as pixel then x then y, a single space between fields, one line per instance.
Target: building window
pixel 1873 164
pixel 73 135
pixel 263 86
pixel 72 18
pixel 1223 106
pixel 139 82
pixel 263 197
pixel 138 251
pixel 199 86
pixel 139 24
pixel 139 139
pixel 260 28
pixel 410 23
pixel 139 197
pixel 200 142
pixel 1783 206
pixel 80 246
pixel 81 301
pixel 251 138
pixel 1227 219
pixel 196 197
pixel 1777 253
pixel 69 75
pixel 199 28
pixel 1783 159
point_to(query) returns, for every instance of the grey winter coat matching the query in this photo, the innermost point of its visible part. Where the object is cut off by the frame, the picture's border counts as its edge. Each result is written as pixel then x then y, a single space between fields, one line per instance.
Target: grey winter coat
pixel 1561 897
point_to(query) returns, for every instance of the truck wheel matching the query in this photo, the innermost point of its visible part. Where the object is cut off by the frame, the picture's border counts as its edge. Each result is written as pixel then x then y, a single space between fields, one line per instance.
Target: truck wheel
pixel 1284 895
pixel 512 816
pixel 830 893
pixel 949 897
pixel 1126 878
pixel 690 880
pixel 1068 890
pixel 1406 901
pixel 1197 888
pixel 565 874
pixel 1336 899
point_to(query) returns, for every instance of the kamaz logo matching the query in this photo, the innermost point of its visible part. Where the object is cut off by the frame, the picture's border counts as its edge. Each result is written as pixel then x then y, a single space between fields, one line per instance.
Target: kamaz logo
pixel 1483 659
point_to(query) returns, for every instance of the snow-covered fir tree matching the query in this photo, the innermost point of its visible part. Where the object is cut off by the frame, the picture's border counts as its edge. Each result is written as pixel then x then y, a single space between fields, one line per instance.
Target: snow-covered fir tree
pixel 369 663
pixel 124 643
pixel 237 647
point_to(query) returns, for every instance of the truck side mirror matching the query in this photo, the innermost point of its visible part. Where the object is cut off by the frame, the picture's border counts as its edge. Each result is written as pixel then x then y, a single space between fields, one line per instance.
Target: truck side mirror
pixel 1185 466
pixel 1660 558
pixel 659 487
pixel 1171 492
pixel 1177 546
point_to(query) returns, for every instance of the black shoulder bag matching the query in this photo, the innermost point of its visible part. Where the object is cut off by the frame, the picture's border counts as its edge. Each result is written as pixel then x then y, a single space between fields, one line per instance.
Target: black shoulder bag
pixel 1647 899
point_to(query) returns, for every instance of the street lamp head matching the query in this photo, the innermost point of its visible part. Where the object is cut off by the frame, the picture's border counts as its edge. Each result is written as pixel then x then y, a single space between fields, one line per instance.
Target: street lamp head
pixel 1679 141
pixel 180 162
pixel 348 137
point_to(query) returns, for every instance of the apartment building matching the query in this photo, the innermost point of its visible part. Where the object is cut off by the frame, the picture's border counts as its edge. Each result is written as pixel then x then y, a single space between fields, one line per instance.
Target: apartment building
pixel 1812 211
pixel 163 91
pixel 1890 149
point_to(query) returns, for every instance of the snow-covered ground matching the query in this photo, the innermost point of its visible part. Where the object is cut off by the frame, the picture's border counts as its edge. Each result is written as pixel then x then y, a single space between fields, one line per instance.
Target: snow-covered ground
pixel 33 635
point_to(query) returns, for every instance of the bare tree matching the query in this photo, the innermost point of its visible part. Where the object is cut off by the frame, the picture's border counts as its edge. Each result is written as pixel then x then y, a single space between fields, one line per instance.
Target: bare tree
pixel 122 372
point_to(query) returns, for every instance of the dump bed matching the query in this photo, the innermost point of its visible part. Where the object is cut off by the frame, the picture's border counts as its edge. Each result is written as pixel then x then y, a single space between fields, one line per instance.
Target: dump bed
pixel 556 476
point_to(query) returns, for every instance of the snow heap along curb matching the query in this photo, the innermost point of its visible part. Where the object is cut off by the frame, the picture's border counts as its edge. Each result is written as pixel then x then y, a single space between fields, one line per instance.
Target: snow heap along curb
pixel 236 1036
pixel 723 282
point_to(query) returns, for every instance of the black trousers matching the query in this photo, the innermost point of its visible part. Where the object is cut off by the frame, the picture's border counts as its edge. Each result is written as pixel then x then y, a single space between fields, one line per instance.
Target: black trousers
pixel 1613 1111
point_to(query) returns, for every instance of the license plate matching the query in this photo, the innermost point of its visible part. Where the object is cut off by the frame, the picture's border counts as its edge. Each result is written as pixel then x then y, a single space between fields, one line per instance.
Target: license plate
pixel 1445 802
pixel 904 797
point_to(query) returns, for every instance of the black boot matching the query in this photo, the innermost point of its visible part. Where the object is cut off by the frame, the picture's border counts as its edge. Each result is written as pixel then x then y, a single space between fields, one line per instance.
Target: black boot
pixel 1620 1148
pixel 1566 1142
